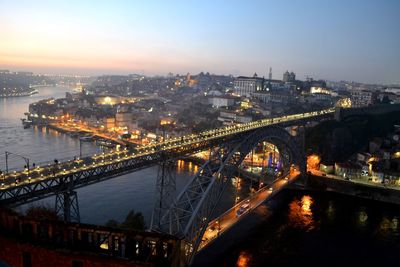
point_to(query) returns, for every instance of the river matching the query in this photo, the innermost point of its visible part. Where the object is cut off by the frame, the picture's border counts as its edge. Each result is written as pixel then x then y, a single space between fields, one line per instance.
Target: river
pixel 111 199
pixel 300 228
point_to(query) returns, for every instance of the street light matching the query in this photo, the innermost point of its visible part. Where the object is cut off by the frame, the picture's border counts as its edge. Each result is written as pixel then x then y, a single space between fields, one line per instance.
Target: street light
pixel 18 155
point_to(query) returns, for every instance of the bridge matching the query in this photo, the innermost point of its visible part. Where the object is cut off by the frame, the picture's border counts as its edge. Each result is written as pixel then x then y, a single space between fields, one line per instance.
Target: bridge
pixel 187 216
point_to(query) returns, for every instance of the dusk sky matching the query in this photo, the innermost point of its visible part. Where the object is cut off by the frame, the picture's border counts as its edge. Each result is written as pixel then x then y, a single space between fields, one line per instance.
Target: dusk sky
pixel 355 40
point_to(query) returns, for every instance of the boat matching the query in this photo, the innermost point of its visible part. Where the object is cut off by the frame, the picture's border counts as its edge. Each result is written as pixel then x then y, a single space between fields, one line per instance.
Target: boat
pixel 26 123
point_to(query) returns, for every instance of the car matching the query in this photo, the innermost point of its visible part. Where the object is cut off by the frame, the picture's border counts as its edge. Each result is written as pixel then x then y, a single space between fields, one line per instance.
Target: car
pixel 243 208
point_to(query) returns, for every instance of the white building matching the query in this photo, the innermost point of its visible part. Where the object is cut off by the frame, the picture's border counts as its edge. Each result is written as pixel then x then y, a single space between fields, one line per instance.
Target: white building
pixel 393 89
pixel 362 98
pixel 244 86
pixel 221 101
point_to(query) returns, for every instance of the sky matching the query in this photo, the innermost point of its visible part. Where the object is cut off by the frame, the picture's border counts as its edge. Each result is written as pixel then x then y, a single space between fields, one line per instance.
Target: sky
pixel 355 40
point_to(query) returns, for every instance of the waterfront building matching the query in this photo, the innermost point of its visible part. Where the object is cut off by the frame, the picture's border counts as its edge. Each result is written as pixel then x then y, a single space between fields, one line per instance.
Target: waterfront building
pixel 124 120
pixel 109 123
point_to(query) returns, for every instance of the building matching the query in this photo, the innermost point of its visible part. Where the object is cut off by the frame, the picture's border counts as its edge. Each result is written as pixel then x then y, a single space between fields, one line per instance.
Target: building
pixel 362 98
pixel 245 86
pixel 289 76
pixel 276 85
pixel 221 101
pixel 229 118
pixel 347 170
pixel 275 96
pixel 109 123
pixel 317 98
pixel 124 119
pixel 393 89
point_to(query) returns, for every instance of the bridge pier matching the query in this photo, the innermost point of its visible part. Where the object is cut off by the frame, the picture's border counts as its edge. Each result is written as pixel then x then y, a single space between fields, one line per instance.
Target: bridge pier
pixel 67 206
pixel 165 192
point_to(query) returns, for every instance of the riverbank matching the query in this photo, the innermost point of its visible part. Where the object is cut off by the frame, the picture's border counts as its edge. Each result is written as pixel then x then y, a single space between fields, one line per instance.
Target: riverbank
pixel 376 192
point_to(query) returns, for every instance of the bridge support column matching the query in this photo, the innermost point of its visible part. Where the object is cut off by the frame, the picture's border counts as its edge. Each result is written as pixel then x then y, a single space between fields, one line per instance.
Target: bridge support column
pixel 302 146
pixel 165 192
pixel 67 206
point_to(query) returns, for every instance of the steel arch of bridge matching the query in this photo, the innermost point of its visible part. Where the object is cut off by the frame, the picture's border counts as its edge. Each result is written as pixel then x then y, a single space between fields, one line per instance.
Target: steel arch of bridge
pixel 190 213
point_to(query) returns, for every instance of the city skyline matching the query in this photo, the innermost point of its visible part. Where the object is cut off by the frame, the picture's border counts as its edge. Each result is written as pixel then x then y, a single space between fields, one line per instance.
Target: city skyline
pixel 352 40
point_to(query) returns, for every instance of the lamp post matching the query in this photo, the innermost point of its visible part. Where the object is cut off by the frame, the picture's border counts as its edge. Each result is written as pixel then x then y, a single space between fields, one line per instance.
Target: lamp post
pixel 18 155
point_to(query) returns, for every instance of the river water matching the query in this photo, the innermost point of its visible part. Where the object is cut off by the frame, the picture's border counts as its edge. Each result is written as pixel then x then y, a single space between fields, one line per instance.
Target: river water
pixel 300 228
pixel 296 228
pixel 111 199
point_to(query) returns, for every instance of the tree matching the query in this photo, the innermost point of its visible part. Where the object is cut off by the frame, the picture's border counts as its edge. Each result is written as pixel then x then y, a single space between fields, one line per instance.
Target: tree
pixel 112 223
pixel 41 213
pixel 385 100
pixel 134 221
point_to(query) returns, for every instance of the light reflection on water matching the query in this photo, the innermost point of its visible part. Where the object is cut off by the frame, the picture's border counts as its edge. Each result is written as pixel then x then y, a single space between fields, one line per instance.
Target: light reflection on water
pixel 318 229
pixel 300 214
pixel 243 259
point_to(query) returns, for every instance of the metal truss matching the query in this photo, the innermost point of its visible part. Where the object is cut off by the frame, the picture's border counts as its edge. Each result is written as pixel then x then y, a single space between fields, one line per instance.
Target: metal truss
pixel 191 212
pixel 290 147
pixel 165 191
pixel 67 206
pixel 32 191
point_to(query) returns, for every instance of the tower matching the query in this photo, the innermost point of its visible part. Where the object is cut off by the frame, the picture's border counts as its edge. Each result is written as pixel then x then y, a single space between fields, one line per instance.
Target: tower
pixel 270 73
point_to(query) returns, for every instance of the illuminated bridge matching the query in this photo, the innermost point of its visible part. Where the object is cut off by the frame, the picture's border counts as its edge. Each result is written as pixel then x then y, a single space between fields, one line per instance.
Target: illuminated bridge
pixel 187 215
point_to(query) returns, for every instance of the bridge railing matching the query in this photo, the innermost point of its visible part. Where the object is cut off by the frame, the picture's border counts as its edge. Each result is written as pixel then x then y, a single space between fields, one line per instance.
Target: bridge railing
pixel 47 163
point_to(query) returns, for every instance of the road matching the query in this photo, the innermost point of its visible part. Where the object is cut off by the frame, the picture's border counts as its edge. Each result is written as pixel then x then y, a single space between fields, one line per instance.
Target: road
pixel 225 221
